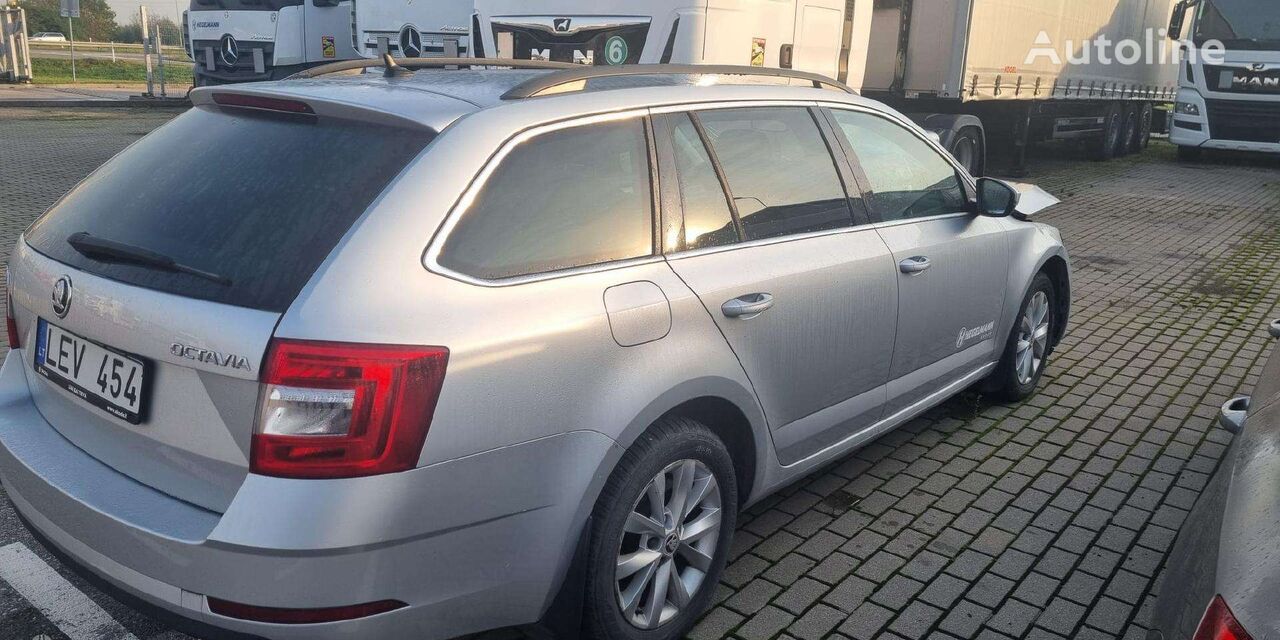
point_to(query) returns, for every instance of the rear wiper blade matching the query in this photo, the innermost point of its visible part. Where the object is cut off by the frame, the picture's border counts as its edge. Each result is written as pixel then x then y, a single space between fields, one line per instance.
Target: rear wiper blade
pixel 106 250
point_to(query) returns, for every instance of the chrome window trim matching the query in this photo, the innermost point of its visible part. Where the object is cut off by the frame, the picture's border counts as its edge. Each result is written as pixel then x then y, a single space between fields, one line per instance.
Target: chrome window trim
pixel 431 256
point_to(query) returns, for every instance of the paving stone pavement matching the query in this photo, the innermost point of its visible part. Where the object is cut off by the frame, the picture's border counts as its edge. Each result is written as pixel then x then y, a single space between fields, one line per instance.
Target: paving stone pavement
pixel 1053 518
pixel 1049 519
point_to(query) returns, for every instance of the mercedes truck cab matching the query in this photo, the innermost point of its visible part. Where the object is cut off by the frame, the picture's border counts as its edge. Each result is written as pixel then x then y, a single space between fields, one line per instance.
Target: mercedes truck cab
pixel 1231 100
pixel 413 29
pixel 251 40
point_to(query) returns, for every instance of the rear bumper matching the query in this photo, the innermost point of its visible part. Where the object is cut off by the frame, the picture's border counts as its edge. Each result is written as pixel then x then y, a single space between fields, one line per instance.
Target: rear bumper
pixel 469 544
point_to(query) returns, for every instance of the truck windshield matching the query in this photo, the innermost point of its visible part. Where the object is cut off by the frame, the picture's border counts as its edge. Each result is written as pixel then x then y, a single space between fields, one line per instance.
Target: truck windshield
pixel 1240 24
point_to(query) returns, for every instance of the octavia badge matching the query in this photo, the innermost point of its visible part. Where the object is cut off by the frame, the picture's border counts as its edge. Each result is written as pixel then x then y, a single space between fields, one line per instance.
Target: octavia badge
pixel 229 51
pixel 62 296
pixel 410 42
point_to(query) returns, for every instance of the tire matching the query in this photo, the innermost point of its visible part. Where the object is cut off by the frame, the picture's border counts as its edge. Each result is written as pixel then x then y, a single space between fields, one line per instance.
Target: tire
pixel 1190 154
pixel 1128 142
pixel 1010 381
pixel 671 447
pixel 967 149
pixel 1104 148
pixel 1146 114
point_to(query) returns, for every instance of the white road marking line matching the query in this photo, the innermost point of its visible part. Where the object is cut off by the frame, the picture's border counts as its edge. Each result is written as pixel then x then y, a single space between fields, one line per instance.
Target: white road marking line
pixel 64 605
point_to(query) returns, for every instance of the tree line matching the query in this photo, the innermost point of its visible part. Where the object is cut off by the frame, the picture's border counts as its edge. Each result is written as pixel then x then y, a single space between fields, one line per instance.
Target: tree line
pixel 97 22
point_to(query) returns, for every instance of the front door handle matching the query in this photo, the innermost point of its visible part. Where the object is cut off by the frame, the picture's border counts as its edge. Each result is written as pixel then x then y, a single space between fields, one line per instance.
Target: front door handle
pixel 748 306
pixel 915 264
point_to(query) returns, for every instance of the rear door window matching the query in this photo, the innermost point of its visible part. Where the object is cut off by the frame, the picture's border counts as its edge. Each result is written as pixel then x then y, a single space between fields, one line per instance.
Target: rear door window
pixel 570 198
pixel 259 200
pixel 708 221
pixel 908 178
pixel 779 170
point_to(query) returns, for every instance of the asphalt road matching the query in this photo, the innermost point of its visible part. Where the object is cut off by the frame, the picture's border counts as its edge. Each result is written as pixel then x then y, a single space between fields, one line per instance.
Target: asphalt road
pixel 1049 519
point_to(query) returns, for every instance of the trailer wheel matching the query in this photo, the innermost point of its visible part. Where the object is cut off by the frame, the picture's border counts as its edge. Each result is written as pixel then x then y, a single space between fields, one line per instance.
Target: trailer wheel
pixel 1145 116
pixel 967 149
pixel 1128 142
pixel 1104 147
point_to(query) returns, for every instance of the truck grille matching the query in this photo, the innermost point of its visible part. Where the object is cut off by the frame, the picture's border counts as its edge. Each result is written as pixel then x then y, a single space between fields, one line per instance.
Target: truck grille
pixel 1244 121
pixel 244 63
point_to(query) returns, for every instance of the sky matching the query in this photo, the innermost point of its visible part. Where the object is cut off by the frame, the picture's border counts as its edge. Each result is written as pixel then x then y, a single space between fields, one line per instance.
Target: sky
pixel 125 9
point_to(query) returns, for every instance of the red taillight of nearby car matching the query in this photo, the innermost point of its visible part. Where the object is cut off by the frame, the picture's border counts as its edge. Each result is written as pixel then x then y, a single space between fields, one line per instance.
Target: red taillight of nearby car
pixel 1218 623
pixel 343 410
pixel 11 325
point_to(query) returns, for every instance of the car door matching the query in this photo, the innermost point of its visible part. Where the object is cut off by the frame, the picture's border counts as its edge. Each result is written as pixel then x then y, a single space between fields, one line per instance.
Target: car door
pixel 765 233
pixel 952 264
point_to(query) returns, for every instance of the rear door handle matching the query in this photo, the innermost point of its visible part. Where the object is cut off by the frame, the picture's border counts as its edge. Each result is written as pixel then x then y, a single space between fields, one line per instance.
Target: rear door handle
pixel 748 306
pixel 915 264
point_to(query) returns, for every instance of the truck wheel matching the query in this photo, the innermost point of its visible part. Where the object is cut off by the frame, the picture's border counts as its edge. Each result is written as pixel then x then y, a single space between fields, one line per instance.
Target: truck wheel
pixel 1145 116
pixel 660 534
pixel 1189 154
pixel 1104 147
pixel 968 151
pixel 1128 142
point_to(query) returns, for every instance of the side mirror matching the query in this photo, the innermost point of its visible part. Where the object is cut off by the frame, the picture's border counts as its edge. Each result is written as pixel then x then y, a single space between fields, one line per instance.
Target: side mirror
pixel 996 198
pixel 1178 20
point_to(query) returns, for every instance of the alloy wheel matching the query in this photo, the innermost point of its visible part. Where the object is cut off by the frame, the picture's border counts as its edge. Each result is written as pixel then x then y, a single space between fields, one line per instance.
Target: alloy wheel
pixel 1033 338
pixel 668 544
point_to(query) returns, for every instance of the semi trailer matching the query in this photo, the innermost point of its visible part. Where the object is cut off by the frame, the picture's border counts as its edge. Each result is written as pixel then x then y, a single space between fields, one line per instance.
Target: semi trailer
pixel 1232 102
pixel 979 73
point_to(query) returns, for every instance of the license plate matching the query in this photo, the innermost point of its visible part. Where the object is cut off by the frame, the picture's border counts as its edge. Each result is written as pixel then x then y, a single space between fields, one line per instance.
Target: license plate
pixel 104 377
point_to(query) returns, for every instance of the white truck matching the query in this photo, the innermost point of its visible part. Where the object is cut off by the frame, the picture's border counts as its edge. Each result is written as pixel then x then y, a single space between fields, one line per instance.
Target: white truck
pixel 250 40
pixel 1232 102
pixel 962 68
pixel 412 28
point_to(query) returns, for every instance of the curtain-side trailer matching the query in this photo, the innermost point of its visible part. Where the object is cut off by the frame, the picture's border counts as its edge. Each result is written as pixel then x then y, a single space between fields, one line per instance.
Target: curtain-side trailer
pixel 1027 70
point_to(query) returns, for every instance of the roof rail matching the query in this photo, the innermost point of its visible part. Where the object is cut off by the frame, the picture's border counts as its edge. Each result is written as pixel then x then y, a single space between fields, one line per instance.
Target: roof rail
pixel 557 82
pixel 399 66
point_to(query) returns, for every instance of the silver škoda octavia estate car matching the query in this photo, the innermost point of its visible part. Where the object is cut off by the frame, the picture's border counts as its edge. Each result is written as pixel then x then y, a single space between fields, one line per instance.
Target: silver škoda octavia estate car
pixel 417 354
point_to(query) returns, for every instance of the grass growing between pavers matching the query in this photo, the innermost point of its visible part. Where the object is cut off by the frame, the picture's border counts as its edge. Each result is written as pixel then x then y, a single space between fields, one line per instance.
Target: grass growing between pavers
pixel 95 71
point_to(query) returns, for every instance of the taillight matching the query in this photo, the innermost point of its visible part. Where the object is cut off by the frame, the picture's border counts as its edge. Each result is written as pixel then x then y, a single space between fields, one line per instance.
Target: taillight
pixel 11 325
pixel 1218 623
pixel 341 410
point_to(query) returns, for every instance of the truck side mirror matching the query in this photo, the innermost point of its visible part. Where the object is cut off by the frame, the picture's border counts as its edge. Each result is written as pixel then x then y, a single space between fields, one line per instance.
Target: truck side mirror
pixel 1178 20
pixel 786 56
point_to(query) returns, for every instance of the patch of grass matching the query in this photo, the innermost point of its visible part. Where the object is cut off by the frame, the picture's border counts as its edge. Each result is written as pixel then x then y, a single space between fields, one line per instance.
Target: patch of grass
pixel 91 70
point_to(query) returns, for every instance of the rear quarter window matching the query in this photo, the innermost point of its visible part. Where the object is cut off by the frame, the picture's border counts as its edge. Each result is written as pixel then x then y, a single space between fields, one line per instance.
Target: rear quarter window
pixel 261 200
pixel 570 198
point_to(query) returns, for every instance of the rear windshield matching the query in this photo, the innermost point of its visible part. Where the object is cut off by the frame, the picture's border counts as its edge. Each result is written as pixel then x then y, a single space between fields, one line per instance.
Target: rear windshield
pixel 258 200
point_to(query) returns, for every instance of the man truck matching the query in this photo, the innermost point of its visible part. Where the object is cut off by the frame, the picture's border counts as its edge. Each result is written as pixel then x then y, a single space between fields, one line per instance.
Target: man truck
pixel 1233 101
pixel 976 72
